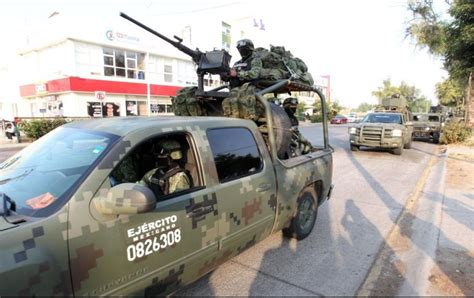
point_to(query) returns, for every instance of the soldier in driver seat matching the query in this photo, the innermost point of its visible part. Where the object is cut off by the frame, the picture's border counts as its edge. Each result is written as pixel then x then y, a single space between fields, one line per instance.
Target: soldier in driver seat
pixel 169 175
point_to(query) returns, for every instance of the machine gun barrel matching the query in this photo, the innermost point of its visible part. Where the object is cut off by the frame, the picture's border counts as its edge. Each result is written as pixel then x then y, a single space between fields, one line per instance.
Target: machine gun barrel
pixel 194 54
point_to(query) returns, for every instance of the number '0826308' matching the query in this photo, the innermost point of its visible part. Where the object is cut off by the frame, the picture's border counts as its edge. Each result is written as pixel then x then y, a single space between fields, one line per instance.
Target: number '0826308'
pixel 152 245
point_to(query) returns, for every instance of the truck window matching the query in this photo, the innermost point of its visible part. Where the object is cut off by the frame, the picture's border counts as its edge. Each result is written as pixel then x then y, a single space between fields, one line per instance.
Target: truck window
pixel 165 164
pixel 235 153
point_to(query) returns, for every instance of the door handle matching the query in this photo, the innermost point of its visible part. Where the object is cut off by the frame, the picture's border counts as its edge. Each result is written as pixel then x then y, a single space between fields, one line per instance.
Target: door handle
pixel 263 187
pixel 201 211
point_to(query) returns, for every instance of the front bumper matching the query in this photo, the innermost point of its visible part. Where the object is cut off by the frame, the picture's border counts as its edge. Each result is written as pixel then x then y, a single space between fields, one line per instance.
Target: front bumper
pixel 392 142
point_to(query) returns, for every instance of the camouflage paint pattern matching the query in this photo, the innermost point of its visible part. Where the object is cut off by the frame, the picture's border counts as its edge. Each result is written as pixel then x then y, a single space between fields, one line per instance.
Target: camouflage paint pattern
pixel 171 245
pixel 379 135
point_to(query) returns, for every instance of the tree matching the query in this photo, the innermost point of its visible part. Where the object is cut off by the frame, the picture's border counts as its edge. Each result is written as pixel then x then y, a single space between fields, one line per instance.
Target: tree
pixel 365 107
pixel 416 101
pixel 449 93
pixel 453 40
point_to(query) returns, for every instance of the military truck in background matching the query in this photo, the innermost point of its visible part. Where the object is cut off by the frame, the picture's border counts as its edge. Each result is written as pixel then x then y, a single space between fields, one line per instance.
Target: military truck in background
pixel 428 125
pixel 74 220
pixel 388 126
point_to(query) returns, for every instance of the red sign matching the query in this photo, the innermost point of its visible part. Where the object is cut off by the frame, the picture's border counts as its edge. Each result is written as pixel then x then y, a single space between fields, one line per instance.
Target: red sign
pixel 100 95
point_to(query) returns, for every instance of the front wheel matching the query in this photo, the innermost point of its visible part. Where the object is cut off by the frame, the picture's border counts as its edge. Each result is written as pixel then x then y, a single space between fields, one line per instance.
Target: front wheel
pixel 398 151
pixel 354 147
pixel 408 145
pixel 302 224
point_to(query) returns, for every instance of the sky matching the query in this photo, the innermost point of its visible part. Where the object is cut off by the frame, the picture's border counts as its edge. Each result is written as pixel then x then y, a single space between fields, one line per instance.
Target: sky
pixel 357 43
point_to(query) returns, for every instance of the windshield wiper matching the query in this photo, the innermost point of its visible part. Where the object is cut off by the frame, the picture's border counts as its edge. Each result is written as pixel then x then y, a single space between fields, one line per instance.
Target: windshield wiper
pixel 6 199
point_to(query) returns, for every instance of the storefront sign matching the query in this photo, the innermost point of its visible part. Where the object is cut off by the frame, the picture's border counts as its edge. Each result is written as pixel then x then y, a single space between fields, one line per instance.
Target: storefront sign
pixel 110 109
pixel 100 95
pixel 41 88
pixel 154 108
pixel 132 107
pixel 119 36
pixel 94 109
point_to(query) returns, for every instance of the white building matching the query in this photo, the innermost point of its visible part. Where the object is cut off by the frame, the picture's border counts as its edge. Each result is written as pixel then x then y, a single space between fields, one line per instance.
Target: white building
pixel 115 68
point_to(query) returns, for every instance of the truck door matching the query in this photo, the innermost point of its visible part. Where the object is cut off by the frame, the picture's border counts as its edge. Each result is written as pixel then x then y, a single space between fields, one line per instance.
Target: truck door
pixel 152 251
pixel 246 190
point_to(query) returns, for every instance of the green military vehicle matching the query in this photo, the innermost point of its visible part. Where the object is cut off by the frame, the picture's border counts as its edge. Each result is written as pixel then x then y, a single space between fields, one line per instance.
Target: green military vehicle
pixel 389 126
pixel 79 218
pixel 428 125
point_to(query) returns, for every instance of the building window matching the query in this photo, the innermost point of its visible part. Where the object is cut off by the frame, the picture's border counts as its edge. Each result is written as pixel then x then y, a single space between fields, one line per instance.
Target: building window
pixel 226 40
pixel 121 63
pixel 168 72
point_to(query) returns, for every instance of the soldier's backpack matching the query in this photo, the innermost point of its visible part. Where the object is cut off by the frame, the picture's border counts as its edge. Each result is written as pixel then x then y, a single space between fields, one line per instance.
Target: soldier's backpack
pixel 278 64
pixel 186 104
pixel 242 103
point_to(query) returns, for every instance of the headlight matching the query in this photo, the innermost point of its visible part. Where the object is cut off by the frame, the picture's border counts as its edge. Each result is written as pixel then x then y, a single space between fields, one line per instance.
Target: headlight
pixel 427 128
pixel 352 130
pixel 396 133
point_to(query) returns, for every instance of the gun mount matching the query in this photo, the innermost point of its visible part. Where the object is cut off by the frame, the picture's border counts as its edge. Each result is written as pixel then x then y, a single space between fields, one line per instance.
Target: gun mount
pixel 210 62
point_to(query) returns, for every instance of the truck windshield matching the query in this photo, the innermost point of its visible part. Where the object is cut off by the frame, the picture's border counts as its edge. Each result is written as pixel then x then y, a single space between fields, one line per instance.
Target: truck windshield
pixel 40 177
pixel 383 118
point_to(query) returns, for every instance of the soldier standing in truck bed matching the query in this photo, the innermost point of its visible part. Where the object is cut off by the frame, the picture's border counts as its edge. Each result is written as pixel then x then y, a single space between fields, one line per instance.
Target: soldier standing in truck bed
pixel 248 68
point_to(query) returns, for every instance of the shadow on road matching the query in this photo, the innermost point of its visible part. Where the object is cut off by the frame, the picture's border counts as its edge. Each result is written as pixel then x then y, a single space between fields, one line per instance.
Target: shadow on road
pixel 404 222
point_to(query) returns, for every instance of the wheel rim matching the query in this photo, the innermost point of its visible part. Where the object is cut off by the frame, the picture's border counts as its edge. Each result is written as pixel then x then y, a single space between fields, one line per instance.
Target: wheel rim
pixel 306 214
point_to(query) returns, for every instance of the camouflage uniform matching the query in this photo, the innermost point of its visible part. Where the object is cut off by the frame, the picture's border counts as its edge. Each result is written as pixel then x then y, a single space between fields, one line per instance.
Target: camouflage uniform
pixel 249 67
pixel 299 144
pixel 175 178
pixel 175 182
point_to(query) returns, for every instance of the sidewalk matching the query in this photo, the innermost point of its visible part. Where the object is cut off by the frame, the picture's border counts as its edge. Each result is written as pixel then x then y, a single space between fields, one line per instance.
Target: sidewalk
pixel 453 271
pixel 8 145
pixel 440 226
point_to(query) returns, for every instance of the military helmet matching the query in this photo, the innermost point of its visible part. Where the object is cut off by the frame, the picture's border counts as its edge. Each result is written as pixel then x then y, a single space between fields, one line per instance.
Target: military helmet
pixel 170 148
pixel 290 101
pixel 245 43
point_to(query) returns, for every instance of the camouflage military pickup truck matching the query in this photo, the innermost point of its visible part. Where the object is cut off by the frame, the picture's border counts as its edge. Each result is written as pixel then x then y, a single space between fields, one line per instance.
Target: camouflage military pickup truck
pixel 77 219
pixel 389 126
pixel 428 125
pixel 385 129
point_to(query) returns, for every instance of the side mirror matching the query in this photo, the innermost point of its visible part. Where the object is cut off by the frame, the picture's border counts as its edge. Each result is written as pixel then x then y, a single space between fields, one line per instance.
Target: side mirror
pixel 127 198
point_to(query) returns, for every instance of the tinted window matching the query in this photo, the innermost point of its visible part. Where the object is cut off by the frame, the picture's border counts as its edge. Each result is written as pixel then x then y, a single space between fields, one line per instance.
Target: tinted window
pixel 235 153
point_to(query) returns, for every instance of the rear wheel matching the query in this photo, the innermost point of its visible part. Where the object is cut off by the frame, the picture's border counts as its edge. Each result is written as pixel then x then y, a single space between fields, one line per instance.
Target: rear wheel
pixel 302 224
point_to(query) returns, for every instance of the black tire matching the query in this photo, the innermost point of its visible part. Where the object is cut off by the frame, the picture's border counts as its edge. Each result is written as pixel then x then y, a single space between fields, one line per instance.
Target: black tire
pixel 436 138
pixel 281 129
pixel 408 145
pixel 303 223
pixel 355 147
pixel 398 151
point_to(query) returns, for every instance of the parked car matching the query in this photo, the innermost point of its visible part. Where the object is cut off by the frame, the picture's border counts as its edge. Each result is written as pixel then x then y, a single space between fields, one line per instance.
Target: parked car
pixel 339 119
pixel 352 117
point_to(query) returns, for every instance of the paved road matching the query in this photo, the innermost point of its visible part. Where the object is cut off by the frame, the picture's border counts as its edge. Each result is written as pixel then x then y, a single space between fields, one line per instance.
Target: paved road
pixel 371 189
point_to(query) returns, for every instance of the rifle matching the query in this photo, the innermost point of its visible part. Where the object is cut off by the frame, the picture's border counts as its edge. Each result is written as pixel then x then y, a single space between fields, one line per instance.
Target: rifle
pixel 212 62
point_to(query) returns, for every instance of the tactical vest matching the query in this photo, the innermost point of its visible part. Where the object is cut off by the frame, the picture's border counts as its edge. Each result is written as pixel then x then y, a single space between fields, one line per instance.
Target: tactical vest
pixel 241 65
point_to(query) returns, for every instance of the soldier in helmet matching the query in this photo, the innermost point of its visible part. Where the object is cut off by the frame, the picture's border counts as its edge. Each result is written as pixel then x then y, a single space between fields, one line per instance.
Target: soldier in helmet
pixel 290 104
pixel 248 68
pixel 299 144
pixel 169 175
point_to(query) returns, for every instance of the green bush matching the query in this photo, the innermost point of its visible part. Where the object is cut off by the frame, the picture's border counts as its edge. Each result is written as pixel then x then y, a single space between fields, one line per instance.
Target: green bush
pixel 455 132
pixel 37 128
pixel 316 118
